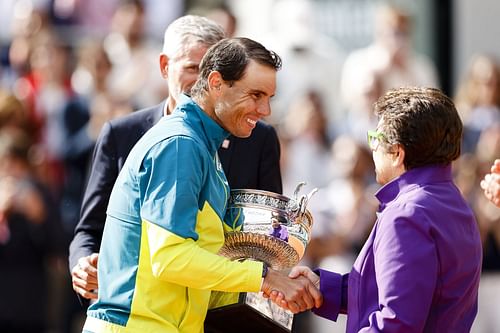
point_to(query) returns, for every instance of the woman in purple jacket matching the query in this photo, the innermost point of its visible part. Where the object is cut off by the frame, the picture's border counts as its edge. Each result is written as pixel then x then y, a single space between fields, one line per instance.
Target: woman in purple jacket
pixel 419 268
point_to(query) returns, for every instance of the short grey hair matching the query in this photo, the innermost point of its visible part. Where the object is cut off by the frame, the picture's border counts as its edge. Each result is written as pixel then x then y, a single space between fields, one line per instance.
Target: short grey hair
pixel 190 29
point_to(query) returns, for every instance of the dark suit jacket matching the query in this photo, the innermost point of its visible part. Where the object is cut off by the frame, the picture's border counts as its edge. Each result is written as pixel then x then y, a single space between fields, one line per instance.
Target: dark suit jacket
pixel 248 163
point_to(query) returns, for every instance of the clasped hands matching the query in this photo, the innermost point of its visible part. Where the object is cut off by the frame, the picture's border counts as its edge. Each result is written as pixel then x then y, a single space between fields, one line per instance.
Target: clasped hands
pixel 298 291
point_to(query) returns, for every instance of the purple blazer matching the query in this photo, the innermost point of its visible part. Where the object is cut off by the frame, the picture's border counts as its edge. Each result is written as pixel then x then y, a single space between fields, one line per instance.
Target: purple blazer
pixel 419 269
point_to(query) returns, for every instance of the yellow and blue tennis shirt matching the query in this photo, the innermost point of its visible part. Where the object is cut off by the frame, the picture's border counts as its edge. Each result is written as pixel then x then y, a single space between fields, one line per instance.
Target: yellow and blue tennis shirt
pixel 158 262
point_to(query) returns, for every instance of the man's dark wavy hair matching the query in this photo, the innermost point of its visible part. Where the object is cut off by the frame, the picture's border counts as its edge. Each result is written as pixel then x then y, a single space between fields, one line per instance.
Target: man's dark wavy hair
pixel 230 58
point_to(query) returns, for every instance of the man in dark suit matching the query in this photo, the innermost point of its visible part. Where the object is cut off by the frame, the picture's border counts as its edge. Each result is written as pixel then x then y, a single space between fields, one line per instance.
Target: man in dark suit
pixel 248 163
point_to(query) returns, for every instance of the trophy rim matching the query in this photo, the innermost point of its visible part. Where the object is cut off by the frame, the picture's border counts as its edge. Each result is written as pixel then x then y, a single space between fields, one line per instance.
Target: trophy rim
pixel 263 192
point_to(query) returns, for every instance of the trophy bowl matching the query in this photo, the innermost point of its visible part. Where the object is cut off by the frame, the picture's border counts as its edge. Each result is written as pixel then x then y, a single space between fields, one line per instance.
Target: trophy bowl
pixel 266 227
pixel 269 227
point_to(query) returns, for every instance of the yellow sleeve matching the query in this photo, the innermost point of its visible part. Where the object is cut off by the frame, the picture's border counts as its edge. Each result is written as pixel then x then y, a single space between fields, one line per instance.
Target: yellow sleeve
pixel 181 261
pixel 221 298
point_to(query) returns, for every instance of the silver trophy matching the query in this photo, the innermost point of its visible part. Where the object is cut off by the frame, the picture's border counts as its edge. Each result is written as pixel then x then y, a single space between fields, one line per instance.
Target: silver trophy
pixel 271 228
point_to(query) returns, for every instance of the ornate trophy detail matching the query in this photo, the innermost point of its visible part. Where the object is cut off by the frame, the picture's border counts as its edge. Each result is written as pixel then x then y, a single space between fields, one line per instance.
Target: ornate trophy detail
pixel 271 228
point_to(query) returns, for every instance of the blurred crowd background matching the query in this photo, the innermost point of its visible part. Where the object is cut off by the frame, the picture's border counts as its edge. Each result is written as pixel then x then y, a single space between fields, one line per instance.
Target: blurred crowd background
pixel 68 66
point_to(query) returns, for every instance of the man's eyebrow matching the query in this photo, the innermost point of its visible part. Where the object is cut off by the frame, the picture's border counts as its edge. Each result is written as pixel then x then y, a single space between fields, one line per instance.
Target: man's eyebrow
pixel 252 91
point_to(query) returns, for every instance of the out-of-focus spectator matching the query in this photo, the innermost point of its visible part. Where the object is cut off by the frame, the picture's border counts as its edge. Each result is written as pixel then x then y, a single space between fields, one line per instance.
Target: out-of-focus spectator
pixel 344 212
pixel 313 61
pixel 91 74
pixel 487 215
pixel 13 113
pixel 30 234
pixel 84 116
pixel 88 17
pixel 14 116
pixel 345 208
pixel 471 168
pixel 360 117
pixel 78 151
pixel 46 89
pixel 305 155
pixel 224 16
pixel 134 76
pixel 478 102
pixel 478 99
pixel 306 145
pixel 390 55
pixel 27 22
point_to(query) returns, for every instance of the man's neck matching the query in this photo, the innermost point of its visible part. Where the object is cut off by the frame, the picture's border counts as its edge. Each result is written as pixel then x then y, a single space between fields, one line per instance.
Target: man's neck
pixel 167 109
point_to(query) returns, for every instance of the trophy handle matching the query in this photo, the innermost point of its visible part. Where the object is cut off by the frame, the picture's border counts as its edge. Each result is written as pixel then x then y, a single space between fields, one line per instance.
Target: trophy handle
pixel 304 200
pixel 297 190
pixel 299 205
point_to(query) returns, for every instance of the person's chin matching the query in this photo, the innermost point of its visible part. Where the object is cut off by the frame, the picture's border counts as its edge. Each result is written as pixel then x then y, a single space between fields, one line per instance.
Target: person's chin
pixel 242 132
pixel 243 135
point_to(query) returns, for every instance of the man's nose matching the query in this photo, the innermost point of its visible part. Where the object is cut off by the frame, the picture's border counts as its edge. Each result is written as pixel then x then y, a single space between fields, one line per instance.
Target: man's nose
pixel 264 109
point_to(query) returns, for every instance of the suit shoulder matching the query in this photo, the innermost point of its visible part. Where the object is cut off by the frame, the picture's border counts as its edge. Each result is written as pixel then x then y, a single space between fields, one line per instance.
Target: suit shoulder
pixel 263 132
pixel 264 127
pixel 138 118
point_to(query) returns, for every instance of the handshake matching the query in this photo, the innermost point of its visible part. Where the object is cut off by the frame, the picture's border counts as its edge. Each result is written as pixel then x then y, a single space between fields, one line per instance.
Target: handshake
pixel 298 291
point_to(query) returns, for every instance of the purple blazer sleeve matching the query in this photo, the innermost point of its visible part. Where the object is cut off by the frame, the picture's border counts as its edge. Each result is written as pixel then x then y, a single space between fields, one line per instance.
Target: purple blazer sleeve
pixel 333 287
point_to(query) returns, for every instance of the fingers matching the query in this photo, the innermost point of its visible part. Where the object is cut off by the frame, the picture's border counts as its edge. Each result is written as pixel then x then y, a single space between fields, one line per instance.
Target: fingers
pixel 491 187
pixel 295 294
pixel 93 259
pixel 85 293
pixel 84 277
pixel 301 296
pixel 279 298
pixel 83 288
pixel 484 184
pixel 495 168
pixel 317 296
pixel 298 270
pixel 294 307
pixel 305 271
pixel 88 265
pixel 314 296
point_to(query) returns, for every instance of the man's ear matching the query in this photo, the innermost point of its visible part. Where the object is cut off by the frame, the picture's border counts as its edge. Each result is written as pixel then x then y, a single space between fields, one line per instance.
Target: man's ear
pixel 215 81
pixel 399 157
pixel 164 65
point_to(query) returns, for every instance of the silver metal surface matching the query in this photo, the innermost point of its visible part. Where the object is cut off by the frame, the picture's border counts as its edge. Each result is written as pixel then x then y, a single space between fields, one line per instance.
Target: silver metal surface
pixel 269 227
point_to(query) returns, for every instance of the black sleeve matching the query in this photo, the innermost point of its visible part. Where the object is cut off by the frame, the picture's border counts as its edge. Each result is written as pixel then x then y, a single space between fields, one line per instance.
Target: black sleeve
pixel 269 166
pixel 103 173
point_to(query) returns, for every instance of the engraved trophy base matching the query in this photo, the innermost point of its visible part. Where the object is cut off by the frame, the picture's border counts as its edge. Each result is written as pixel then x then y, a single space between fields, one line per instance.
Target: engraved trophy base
pixel 252 313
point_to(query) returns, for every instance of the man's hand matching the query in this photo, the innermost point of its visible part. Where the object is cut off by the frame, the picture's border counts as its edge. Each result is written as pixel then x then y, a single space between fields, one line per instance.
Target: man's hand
pixel 295 294
pixel 305 271
pixel 298 272
pixel 84 276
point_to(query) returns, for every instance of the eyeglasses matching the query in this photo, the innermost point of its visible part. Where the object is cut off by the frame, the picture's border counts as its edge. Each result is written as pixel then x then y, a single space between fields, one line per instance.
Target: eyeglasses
pixel 374 138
